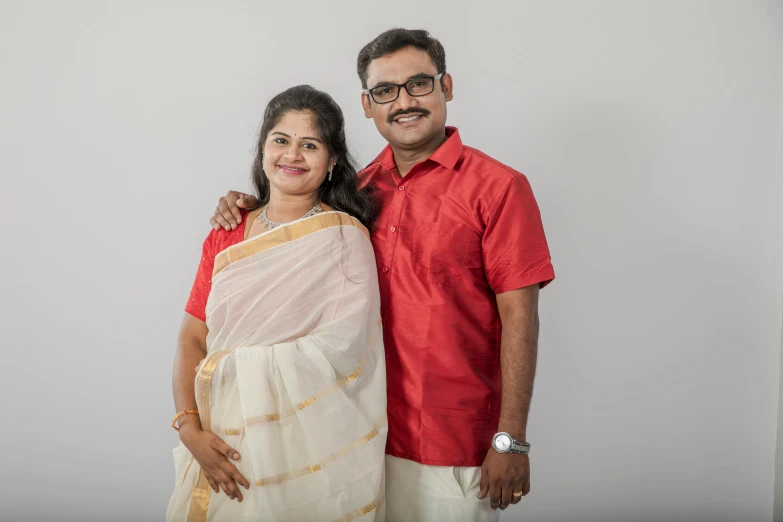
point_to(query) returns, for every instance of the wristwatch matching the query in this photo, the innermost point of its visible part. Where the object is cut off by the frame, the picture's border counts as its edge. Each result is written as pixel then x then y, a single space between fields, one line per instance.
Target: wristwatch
pixel 505 443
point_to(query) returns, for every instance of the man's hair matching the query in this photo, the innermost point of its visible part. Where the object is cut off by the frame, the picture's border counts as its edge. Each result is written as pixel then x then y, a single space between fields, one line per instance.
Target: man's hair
pixel 393 40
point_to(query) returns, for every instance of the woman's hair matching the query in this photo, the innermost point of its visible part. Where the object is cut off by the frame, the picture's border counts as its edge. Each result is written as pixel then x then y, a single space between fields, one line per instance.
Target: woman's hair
pixel 342 192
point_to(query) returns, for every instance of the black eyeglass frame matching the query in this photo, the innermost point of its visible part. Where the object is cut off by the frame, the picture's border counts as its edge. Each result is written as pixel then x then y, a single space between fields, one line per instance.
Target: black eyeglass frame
pixel 405 86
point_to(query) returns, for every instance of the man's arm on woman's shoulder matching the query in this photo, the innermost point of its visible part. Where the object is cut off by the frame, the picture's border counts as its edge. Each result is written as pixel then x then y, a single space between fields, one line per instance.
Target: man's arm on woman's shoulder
pixel 227 214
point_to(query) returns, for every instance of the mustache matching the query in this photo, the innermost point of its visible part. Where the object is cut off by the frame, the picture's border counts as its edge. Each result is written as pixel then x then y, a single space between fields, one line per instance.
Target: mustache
pixel 405 112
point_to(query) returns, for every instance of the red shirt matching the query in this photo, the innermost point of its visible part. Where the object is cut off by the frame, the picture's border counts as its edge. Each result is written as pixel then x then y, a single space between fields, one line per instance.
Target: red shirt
pixel 458 229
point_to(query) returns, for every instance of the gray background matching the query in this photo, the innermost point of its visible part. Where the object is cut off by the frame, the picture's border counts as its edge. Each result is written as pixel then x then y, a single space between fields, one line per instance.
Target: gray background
pixel 651 133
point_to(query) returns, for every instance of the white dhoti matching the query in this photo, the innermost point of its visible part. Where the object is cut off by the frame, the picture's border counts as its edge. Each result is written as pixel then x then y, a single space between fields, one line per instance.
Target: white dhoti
pixel 419 493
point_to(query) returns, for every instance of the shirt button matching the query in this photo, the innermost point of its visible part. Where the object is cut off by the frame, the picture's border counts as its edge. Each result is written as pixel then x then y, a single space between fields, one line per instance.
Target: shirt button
pixel 402 187
pixel 392 229
pixel 385 269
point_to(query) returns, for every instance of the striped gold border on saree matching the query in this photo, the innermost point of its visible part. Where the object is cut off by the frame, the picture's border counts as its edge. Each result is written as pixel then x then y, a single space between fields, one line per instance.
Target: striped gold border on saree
pixel 282 235
pixel 199 500
pixel 343 381
pixel 372 506
pixel 342 452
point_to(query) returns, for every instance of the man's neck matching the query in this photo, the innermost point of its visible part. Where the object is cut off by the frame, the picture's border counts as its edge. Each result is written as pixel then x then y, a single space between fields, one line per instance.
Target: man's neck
pixel 406 159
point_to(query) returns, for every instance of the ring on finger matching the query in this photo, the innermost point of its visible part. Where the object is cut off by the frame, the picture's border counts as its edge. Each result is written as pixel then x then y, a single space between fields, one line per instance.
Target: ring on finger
pixel 518 494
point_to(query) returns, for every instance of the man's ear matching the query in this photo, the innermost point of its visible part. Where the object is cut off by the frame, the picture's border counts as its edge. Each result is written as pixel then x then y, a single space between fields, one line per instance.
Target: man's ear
pixel 366 105
pixel 447 84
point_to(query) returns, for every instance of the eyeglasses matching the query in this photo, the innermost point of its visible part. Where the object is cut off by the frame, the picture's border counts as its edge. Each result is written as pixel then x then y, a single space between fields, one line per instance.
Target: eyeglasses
pixel 388 92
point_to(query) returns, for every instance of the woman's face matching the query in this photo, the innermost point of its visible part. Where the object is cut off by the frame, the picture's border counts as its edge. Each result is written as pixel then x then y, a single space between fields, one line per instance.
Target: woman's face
pixel 296 161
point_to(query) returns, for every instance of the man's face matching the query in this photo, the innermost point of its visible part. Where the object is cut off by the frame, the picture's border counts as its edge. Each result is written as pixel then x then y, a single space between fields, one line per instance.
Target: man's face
pixel 409 122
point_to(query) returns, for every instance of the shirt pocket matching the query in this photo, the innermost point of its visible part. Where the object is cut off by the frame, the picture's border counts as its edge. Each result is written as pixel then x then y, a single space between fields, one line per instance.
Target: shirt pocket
pixel 443 250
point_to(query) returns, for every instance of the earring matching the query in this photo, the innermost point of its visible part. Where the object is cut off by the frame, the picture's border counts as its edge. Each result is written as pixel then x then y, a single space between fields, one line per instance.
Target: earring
pixel 330 175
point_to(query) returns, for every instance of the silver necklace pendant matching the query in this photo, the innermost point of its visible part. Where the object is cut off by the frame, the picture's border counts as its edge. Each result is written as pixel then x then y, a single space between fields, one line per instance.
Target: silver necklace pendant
pixel 268 223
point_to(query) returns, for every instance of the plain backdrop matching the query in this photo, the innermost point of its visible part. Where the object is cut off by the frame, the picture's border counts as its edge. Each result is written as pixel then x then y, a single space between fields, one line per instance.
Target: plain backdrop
pixel 651 133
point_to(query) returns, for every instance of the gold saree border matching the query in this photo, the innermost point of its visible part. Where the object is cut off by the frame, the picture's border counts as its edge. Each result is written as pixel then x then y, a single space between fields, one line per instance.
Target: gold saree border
pixel 199 499
pixel 342 452
pixel 204 386
pixel 372 506
pixel 282 235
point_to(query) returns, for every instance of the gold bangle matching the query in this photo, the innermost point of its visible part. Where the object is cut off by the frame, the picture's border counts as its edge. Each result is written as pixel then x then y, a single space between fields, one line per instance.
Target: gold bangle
pixel 182 414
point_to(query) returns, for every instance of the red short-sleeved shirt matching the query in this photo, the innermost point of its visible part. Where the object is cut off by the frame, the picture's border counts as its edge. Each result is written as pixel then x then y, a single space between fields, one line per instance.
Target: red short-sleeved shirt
pixel 456 230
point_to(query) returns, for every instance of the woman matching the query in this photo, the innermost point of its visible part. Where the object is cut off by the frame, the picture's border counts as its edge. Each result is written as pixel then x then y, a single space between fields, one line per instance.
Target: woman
pixel 286 417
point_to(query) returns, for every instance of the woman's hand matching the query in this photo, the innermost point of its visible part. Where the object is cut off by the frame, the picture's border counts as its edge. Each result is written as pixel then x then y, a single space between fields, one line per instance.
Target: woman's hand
pixel 214 456
pixel 209 450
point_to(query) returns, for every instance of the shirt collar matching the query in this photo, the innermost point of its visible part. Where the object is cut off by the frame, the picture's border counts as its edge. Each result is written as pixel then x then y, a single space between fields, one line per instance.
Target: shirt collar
pixel 446 155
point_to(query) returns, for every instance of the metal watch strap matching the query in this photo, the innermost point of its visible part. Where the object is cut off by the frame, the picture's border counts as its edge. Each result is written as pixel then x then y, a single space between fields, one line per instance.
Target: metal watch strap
pixel 520 447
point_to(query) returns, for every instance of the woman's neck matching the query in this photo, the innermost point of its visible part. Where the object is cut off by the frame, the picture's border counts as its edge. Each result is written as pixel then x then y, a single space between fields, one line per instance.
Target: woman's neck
pixel 284 208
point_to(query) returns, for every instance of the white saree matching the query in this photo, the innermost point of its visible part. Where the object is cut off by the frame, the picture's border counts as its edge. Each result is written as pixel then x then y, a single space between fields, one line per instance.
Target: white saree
pixel 294 378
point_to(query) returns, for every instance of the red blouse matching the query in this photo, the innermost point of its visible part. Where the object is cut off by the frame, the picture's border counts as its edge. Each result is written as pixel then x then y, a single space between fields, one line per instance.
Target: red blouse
pixel 215 243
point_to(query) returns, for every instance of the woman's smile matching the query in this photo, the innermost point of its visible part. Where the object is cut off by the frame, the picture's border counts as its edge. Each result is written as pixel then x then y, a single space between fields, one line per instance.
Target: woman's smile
pixel 292 170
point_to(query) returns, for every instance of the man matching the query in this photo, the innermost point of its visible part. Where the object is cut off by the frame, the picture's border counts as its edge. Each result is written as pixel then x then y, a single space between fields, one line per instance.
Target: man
pixel 461 256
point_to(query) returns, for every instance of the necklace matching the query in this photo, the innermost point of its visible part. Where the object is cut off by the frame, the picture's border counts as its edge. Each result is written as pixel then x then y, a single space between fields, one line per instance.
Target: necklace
pixel 268 223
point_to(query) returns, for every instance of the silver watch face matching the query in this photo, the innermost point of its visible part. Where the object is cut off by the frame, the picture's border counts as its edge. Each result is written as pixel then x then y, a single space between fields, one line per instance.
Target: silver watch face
pixel 502 442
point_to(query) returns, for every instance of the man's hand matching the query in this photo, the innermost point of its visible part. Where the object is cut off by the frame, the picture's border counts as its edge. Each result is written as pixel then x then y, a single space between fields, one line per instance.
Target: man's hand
pixel 227 213
pixel 502 475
